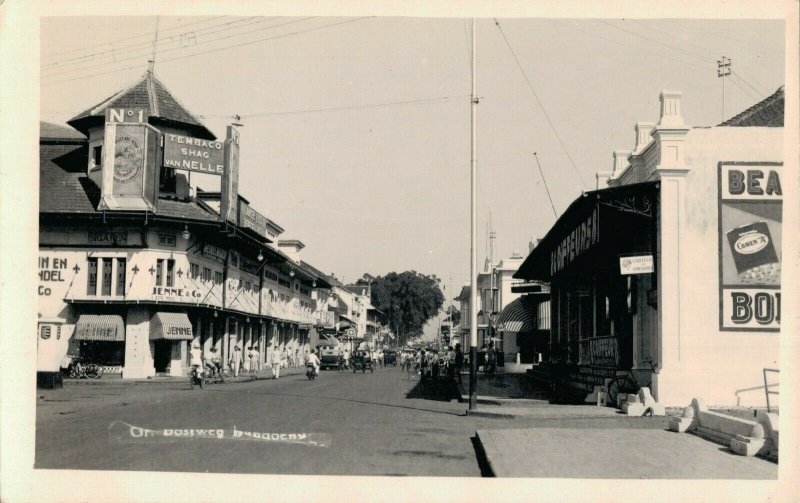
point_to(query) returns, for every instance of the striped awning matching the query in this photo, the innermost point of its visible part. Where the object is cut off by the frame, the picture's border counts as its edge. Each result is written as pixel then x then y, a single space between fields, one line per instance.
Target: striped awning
pixel 100 327
pixel 518 316
pixel 171 326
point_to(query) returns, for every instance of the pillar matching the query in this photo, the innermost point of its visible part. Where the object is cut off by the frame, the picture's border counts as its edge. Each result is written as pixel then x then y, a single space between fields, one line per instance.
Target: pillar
pixel 138 350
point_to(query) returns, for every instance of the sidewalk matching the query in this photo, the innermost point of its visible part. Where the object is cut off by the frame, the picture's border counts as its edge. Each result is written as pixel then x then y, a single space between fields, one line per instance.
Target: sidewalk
pixel 243 377
pixel 615 454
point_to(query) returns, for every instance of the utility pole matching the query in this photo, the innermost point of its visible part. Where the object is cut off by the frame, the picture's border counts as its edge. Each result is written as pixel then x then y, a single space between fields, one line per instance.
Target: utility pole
pixel 473 294
pixel 723 70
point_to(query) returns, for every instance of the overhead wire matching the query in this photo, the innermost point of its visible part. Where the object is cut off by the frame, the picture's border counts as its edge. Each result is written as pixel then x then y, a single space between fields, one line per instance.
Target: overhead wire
pixel 541 105
pixel 144 34
pixel 114 52
pixel 200 53
pixel 137 56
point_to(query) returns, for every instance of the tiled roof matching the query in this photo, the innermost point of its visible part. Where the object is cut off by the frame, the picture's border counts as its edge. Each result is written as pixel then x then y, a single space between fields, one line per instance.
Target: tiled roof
pixel 766 113
pixel 64 187
pixel 50 131
pixel 148 93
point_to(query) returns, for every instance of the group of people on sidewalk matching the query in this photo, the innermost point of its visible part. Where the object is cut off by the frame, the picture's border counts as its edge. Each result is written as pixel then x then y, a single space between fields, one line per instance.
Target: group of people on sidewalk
pixel 449 362
pixel 250 362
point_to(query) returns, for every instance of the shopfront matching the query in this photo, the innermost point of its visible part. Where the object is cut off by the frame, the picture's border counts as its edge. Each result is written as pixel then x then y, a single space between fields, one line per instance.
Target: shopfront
pixel 597 317
pixel 100 339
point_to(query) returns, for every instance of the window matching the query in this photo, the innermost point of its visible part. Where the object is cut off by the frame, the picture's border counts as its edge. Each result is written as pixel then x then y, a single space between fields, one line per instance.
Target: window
pixel 206 274
pixel 217 277
pixel 97 155
pixel 167 180
pixel 165 270
pixel 121 264
pixel 248 286
pixel 194 271
pixel 107 263
pixel 92 287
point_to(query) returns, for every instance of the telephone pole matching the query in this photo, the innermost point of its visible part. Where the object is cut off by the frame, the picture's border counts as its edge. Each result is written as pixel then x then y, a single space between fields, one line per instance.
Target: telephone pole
pixel 473 293
pixel 723 70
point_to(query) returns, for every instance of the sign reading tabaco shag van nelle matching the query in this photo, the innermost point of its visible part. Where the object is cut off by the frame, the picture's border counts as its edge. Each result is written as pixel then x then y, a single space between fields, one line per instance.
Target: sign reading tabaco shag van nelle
pixel 750 235
pixel 194 154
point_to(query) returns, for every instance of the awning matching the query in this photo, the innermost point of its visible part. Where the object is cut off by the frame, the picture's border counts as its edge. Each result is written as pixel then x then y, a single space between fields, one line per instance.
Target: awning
pixel 100 327
pixel 346 319
pixel 171 326
pixel 518 316
pixel 596 229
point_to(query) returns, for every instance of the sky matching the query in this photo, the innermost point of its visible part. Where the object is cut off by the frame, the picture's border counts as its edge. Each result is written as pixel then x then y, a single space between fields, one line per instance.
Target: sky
pixel 356 135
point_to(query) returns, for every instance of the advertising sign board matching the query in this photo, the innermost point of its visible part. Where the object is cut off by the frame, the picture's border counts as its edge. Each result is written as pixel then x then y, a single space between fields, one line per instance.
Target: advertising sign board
pixel 251 219
pixel 230 178
pixel 130 167
pixel 639 264
pixel 750 236
pixel 194 154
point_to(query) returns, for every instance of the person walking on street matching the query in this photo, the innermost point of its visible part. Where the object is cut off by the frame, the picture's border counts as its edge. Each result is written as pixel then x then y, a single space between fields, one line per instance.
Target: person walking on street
pixel 236 360
pixel 253 361
pixel 459 362
pixel 285 358
pixel 491 360
pixel 274 360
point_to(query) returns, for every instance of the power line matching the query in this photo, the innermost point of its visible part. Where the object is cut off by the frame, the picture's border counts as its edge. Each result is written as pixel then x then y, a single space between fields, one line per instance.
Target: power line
pixel 137 56
pixel 738 75
pixel 331 109
pixel 547 116
pixel 212 50
pixel 147 34
pixel 114 52
pixel 745 91
pixel 546 188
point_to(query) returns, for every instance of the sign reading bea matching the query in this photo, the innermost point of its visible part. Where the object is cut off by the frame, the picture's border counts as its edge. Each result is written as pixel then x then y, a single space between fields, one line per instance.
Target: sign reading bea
pixel 194 154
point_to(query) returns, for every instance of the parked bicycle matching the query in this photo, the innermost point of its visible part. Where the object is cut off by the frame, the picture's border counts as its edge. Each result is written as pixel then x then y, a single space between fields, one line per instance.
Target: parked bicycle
pixel 626 383
pixel 80 369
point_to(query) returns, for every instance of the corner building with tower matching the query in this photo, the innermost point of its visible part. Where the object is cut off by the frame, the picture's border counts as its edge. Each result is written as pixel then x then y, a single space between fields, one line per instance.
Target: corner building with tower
pixel 135 265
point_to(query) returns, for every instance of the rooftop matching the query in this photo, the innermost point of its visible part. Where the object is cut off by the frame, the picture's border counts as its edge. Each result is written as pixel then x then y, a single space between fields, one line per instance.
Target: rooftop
pixel 765 113
pixel 146 93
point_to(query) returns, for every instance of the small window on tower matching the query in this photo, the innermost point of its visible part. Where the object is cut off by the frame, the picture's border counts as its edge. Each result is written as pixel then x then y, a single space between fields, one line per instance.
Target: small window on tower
pixel 97 156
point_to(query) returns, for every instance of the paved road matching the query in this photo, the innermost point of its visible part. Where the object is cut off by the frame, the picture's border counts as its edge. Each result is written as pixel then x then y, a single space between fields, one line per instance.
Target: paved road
pixel 375 429
pixel 377 424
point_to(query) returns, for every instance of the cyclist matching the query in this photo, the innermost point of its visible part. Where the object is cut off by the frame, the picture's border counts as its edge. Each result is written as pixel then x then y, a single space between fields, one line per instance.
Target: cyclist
pixel 197 360
pixel 313 360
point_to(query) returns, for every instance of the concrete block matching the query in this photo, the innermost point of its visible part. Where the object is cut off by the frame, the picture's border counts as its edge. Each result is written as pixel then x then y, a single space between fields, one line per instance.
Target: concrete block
pixel 682 424
pixel 726 425
pixel 646 397
pixel 747 446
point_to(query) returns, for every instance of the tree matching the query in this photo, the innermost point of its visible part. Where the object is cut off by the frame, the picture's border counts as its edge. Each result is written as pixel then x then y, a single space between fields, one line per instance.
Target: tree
pixel 409 299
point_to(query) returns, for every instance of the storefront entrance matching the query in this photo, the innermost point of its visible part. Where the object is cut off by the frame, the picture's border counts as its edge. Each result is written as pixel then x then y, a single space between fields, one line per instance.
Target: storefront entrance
pixel 162 354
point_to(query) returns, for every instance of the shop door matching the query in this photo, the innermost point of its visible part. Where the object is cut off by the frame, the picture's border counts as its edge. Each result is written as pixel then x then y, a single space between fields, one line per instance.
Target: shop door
pixel 162 355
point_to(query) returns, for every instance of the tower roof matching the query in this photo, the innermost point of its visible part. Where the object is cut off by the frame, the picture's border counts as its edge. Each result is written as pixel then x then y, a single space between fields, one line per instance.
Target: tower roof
pixel 148 93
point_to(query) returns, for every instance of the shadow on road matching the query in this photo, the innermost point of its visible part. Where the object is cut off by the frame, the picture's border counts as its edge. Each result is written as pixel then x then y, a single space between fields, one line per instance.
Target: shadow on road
pixel 440 390
pixel 382 404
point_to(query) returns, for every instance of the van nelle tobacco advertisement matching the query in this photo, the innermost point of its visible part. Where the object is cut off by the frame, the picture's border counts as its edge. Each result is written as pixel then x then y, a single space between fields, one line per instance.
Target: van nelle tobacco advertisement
pixel 750 216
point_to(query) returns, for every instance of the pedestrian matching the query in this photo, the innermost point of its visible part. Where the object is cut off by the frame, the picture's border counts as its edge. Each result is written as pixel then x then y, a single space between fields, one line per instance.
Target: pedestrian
pixel 459 362
pixel 285 358
pixel 236 360
pixel 274 360
pixel 491 360
pixel 253 362
pixel 346 359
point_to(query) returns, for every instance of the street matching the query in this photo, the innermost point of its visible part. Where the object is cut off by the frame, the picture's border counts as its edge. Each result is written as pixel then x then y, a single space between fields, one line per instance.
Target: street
pixel 379 424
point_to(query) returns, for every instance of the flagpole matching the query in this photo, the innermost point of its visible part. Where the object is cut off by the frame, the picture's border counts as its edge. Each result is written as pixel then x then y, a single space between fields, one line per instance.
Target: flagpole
pixel 473 293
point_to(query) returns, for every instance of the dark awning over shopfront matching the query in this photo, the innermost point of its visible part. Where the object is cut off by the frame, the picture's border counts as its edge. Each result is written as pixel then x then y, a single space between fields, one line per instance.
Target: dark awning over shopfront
pixel 597 228
pixel 519 316
pixel 100 327
pixel 171 326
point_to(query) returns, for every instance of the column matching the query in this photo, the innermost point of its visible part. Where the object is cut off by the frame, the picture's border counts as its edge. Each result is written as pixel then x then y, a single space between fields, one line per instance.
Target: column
pixel 138 351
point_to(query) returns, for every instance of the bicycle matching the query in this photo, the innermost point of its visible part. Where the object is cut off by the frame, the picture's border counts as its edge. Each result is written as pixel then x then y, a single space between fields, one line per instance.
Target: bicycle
pixel 625 383
pixel 196 376
pixel 79 370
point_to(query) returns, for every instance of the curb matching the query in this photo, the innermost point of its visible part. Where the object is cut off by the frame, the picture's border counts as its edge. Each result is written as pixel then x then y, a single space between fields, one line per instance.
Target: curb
pixel 496 415
pixel 485 455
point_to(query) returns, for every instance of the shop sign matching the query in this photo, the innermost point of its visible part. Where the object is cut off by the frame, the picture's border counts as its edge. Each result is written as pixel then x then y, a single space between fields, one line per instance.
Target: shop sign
pixel 130 170
pixel 584 236
pixel 215 253
pixel 230 178
pixel 194 154
pixel 52 270
pixel 178 294
pixel 750 236
pixel 107 238
pixel 251 219
pixel 640 264
pixel 135 115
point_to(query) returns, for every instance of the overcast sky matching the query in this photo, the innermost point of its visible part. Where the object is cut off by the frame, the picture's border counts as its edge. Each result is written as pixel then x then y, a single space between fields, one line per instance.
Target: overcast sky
pixel 356 134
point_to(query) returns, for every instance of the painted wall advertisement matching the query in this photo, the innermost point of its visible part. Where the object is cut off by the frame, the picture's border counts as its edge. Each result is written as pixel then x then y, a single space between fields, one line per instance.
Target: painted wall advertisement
pixel 750 236
pixel 130 171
